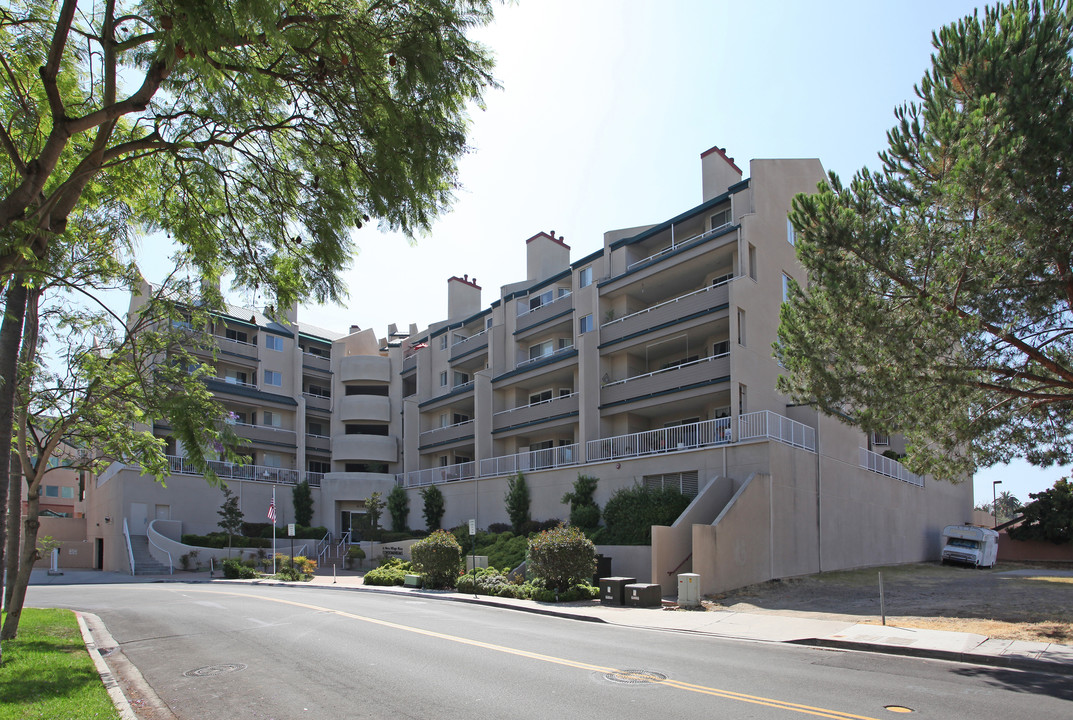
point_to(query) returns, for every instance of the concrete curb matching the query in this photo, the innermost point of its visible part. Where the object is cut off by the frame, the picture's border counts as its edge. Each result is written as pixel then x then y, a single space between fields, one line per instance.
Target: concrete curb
pixel 122 706
pixel 1002 661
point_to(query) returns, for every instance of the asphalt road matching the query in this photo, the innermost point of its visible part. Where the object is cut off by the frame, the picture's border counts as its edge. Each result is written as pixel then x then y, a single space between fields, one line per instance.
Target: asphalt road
pixel 247 652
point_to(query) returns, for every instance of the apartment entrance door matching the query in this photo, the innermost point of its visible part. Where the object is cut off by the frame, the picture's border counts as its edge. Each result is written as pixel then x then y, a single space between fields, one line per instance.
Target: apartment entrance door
pixel 356 522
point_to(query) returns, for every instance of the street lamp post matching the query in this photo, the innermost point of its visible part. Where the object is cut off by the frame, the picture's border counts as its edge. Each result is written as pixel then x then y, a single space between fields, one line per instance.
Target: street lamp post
pixel 994 499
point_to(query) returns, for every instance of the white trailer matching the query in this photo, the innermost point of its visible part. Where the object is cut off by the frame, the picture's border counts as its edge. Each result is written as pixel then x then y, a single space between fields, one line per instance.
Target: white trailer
pixel 970 545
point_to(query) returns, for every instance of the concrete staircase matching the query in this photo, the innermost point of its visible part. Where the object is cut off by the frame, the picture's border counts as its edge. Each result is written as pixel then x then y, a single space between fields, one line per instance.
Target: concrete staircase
pixel 144 563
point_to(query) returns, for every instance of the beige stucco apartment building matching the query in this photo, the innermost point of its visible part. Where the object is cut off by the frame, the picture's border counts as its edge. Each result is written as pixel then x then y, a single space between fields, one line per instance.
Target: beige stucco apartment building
pixel 647 361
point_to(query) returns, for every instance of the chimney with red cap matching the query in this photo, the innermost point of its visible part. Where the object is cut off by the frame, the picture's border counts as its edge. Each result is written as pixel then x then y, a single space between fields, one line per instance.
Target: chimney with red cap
pixel 463 297
pixel 718 172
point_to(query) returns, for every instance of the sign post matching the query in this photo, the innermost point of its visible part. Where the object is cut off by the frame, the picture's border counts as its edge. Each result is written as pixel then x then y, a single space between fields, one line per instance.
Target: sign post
pixel 473 552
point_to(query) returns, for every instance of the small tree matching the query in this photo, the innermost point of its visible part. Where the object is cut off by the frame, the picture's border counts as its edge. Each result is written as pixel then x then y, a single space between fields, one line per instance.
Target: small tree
pixel 434 507
pixel 303 504
pixel 1049 516
pixel 584 512
pixel 230 516
pixel 398 506
pixel 438 558
pixel 562 557
pixel 374 506
pixel 517 501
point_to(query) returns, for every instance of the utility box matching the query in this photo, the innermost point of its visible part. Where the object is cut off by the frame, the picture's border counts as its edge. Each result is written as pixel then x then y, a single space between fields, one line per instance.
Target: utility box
pixel 644 595
pixel 613 590
pixel 413 581
pixel 689 590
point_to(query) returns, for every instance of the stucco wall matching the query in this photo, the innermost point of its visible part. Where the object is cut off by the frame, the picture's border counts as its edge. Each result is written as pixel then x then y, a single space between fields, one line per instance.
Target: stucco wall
pixel 737 549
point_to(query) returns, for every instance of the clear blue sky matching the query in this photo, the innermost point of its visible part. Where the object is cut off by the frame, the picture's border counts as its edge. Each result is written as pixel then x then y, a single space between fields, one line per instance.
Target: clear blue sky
pixel 605 108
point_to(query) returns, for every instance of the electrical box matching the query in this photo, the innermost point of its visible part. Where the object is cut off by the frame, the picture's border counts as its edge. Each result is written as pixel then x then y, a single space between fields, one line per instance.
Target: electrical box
pixel 644 595
pixel 688 590
pixel 613 590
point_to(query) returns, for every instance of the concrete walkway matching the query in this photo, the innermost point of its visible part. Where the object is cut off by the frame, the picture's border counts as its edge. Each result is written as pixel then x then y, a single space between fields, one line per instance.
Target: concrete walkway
pixel 762 627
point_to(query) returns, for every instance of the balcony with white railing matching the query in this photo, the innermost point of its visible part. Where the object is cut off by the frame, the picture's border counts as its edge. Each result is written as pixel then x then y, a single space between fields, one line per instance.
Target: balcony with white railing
pixel 313 361
pixel 236 347
pixel 698 301
pixel 886 466
pixel 544 459
pixel 265 433
pixel 447 433
pixel 535 412
pixel 678 244
pixel 437 475
pixel 232 471
pixel 668 379
pixel 772 426
pixel 318 401
pixel 529 361
pixel 323 443
pixel 529 317
pixel 464 345
pixel 663 440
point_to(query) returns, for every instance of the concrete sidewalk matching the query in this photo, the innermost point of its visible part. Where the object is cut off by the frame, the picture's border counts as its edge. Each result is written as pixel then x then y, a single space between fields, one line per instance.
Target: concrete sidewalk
pixel 761 627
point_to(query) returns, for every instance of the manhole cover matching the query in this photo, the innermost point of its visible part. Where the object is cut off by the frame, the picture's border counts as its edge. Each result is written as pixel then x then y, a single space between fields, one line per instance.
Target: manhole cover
pixel 635 677
pixel 210 670
pixel 898 708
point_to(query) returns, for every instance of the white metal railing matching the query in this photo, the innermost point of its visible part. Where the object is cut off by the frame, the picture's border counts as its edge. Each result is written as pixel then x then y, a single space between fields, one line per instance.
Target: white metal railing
pixel 313 478
pixel 546 458
pixel 461 386
pixel 344 543
pixel 273 428
pixel 149 537
pixel 315 355
pixel 447 427
pixel 767 424
pixel 652 442
pixel 545 356
pixel 886 466
pixel 534 404
pixel 231 471
pixel 232 340
pixel 718 283
pixel 130 548
pixel 317 395
pixel 524 310
pixel 457 338
pixel 679 243
pixel 324 546
pixel 667 369
pixel 233 381
pixel 437 475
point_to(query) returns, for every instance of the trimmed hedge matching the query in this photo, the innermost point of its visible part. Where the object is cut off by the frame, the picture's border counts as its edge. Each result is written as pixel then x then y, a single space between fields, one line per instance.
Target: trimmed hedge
pixel 630 514
pixel 392 571
pixel 562 557
pixel 438 558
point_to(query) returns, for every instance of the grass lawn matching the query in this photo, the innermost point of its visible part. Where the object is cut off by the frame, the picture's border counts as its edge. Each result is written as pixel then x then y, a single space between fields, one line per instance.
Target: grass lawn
pixel 48 674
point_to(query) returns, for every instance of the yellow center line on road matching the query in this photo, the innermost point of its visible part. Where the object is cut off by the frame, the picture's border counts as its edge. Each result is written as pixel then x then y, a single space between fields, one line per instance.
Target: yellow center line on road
pixel 677 684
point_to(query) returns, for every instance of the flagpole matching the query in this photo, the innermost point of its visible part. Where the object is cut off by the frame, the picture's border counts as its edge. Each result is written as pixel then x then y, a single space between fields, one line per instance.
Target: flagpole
pixel 273 530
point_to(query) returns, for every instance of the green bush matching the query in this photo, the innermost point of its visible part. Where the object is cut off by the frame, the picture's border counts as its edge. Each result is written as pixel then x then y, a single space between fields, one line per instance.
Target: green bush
pixel 398 506
pixel 438 558
pixel 562 557
pixel 392 571
pixel 355 553
pixel 517 500
pixel 490 581
pixel 298 568
pixel 631 512
pixel 584 512
pixel 236 569
pixel 434 506
pixel 581 591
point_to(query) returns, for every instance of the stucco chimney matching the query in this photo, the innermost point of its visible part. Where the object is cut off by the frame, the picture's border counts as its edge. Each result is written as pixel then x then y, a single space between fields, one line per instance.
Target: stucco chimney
pixel 545 255
pixel 463 297
pixel 718 172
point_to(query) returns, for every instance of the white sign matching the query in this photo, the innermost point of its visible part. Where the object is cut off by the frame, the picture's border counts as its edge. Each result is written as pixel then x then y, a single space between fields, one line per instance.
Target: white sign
pixel 290 529
pixel 472 527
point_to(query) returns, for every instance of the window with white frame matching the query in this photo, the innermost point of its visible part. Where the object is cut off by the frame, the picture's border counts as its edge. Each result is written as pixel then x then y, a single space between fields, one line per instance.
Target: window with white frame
pixel 720 219
pixel 791 236
pixel 273 378
pixel 584 276
pixel 274 342
pixel 443 341
pixel 584 324
pixel 741 327
pixel 273 419
pixel 443 378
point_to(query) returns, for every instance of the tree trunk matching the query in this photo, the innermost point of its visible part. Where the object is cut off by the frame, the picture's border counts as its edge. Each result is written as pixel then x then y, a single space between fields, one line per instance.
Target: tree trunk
pixel 29 555
pixel 13 514
pixel 10 489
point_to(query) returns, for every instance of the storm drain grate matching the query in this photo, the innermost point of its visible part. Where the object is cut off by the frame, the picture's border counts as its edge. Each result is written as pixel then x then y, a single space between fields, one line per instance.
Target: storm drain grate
pixel 634 677
pixel 211 670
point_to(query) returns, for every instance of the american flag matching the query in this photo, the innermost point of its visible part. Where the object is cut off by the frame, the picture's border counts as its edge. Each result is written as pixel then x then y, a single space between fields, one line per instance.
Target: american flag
pixel 272 510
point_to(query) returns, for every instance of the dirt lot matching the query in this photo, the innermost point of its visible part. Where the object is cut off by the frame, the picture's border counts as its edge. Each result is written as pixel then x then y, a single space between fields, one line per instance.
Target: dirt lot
pixel 1011 601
